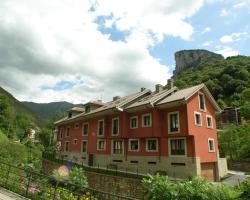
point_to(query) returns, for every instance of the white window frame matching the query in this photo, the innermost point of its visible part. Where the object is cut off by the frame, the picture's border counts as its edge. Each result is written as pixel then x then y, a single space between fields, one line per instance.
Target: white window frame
pixel 209 150
pixel 75 142
pixel 118 128
pixel 195 122
pixel 67 135
pixel 169 146
pixel 203 110
pixel 85 123
pixel 86 146
pixel 77 125
pixel 112 144
pixel 97 144
pixel 209 116
pixel 129 145
pixel 178 114
pixel 130 122
pixel 65 146
pixel 145 115
pixel 157 145
pixel 99 127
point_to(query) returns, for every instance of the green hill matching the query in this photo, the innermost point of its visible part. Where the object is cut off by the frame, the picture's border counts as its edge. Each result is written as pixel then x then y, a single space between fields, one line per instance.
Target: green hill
pixel 20 108
pixel 48 110
pixel 225 78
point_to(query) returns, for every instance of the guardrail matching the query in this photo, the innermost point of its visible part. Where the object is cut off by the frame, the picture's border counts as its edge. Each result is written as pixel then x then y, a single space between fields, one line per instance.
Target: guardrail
pixel 39 186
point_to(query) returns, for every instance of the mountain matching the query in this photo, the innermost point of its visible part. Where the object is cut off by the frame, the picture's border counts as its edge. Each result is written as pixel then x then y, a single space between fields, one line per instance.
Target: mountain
pixel 48 110
pixel 20 108
pixel 225 78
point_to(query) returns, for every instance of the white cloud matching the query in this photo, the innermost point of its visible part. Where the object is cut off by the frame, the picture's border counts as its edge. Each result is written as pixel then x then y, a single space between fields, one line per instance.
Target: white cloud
pixel 207 29
pixel 228 51
pixel 207 43
pixel 45 42
pixel 224 13
pixel 166 17
pixel 233 37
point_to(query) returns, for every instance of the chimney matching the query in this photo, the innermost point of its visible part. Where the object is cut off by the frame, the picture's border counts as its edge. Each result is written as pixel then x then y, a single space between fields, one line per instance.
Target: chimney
pixel 170 84
pixel 158 88
pixel 116 98
pixel 142 89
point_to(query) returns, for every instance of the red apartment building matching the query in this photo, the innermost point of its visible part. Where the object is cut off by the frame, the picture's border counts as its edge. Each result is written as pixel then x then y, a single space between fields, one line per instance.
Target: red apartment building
pixel 168 130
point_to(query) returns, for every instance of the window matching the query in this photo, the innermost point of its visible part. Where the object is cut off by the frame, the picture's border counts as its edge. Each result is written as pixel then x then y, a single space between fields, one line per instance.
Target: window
pixel 76 125
pixel 202 102
pixel 101 127
pixel 211 145
pixel 134 145
pixel 67 132
pixel 117 146
pixel 85 129
pixel 151 145
pixel 146 120
pixel 75 141
pixel 84 146
pixel 67 146
pixel 134 122
pixel 173 122
pixel 209 121
pixel 177 147
pixel 115 126
pixel 101 145
pixel 197 119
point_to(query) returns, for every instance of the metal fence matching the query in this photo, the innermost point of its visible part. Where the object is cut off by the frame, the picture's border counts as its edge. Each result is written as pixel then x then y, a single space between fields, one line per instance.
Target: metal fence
pixel 37 186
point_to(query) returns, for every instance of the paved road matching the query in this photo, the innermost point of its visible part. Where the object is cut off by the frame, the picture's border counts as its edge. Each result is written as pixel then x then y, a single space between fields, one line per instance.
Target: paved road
pixel 235 178
pixel 6 195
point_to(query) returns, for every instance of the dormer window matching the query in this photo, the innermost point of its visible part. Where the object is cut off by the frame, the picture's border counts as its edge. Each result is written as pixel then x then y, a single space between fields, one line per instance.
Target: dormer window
pixel 202 102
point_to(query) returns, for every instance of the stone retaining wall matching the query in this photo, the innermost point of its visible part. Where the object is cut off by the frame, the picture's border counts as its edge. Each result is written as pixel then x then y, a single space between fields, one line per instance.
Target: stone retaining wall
pixel 108 183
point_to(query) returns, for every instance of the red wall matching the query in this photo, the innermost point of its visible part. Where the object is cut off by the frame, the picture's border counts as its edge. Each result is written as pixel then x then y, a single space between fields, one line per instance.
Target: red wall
pixel 196 137
pixel 202 133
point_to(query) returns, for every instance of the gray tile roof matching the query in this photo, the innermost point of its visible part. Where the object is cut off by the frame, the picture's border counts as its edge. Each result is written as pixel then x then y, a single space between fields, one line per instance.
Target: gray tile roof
pixel 153 98
pixel 181 94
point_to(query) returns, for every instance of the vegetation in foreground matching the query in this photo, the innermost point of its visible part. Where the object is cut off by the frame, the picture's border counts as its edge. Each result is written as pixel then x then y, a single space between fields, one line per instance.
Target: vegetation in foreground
pixel 161 188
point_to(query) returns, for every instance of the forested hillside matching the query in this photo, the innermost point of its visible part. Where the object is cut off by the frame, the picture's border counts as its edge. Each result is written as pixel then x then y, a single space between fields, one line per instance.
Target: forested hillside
pixel 15 118
pixel 226 79
pixel 48 110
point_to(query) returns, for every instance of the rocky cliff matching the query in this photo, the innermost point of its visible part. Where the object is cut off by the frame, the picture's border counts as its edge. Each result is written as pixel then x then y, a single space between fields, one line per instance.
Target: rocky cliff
pixel 191 58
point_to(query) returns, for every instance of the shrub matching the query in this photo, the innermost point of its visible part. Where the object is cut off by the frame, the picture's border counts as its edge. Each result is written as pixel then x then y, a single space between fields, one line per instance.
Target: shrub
pixel 161 188
pixel 77 177
pixel 245 189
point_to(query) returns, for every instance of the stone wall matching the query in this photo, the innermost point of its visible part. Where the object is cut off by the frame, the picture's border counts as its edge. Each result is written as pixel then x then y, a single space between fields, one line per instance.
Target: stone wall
pixel 108 183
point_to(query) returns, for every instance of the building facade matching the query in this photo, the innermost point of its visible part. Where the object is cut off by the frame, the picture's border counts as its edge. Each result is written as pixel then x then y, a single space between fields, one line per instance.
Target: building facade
pixel 169 130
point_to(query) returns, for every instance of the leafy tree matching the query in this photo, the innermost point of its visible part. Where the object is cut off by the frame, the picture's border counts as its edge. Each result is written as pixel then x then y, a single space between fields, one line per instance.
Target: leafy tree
pixel 23 125
pixel 6 114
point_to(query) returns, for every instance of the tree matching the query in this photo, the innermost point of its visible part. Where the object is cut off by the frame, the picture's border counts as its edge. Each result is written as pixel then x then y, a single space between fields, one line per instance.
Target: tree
pixel 6 114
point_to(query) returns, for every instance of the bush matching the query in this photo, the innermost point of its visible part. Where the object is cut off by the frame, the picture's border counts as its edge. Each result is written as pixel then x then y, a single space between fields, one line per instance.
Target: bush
pixel 161 188
pixel 245 189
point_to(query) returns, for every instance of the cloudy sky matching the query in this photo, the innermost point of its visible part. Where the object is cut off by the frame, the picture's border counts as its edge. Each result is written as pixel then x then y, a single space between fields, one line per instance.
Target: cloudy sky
pixel 64 50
